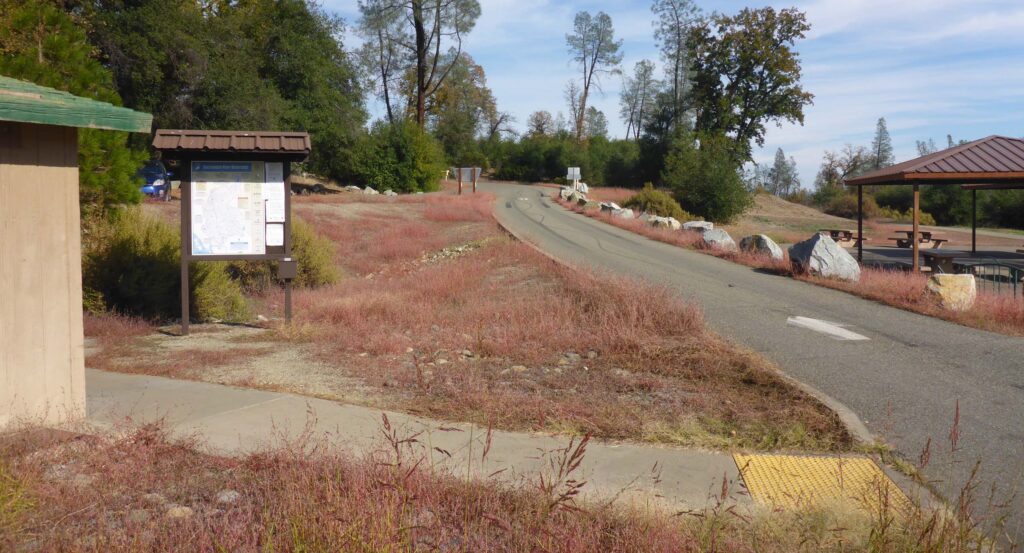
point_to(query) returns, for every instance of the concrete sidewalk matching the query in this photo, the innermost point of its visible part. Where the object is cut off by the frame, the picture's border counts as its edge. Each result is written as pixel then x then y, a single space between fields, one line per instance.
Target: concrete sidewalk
pixel 230 420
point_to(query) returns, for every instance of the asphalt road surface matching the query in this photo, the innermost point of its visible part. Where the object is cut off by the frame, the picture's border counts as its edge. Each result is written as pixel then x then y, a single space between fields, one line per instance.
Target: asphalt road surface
pixel 901 373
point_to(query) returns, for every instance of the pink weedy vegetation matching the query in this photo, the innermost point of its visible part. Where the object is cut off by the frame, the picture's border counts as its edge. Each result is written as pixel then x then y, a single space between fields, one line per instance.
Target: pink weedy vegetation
pixel 443 315
pixel 611 194
pixel 994 312
pixel 61 491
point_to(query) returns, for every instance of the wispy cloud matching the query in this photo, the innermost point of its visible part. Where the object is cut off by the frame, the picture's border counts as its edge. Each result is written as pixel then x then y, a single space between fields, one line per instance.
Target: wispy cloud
pixel 930 67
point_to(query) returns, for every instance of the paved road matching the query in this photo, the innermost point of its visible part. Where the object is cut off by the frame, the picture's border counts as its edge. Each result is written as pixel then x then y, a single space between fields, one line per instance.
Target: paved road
pixel 904 380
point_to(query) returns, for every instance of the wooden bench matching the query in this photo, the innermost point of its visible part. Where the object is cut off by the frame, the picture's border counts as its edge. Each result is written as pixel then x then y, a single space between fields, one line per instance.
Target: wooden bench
pixel 940 262
pixel 845 238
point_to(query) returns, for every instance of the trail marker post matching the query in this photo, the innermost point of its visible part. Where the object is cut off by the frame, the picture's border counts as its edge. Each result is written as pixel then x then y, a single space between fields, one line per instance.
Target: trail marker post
pixel 574 176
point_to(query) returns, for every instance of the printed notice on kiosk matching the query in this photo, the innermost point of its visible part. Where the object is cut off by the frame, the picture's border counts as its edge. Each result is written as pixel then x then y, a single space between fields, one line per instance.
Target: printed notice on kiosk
pixel 228 208
pixel 273 192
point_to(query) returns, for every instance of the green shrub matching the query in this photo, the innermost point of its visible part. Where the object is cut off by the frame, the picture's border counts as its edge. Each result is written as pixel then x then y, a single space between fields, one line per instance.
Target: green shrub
pixel 706 178
pixel 907 216
pixel 314 254
pixel 651 200
pixel 133 263
pixel 846 206
pixel 401 157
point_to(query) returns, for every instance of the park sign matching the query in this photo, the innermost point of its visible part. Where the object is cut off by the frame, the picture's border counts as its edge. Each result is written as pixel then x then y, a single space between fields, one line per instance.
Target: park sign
pixel 235 198
pixel 573 174
pixel 467 175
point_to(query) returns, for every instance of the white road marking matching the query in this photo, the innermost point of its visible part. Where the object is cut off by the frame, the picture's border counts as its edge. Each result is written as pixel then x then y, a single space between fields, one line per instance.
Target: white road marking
pixel 834 330
pixel 523 199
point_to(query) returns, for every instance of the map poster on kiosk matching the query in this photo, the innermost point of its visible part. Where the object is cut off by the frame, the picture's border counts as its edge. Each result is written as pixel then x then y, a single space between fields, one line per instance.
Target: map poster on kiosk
pixel 237 208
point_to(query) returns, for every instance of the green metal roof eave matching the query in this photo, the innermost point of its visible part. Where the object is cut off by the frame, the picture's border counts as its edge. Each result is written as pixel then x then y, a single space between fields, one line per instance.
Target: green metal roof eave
pixel 25 102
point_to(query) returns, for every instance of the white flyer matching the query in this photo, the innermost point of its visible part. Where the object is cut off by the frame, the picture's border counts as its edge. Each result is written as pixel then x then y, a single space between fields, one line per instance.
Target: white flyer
pixel 273 193
pixel 275 234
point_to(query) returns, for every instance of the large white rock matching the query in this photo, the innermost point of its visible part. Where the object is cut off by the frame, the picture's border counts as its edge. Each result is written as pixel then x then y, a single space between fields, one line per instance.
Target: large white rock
pixel 390 192
pixel 583 187
pixel 609 206
pixel 576 197
pixel 353 188
pixel 591 205
pixel 565 192
pixel 718 239
pixel 698 225
pixel 623 213
pixel 820 255
pixel 663 222
pixel 761 244
pixel 369 190
pixel 954 292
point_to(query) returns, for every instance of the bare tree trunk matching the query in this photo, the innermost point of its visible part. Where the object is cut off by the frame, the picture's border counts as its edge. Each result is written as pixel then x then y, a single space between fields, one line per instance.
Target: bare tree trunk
pixel 421 62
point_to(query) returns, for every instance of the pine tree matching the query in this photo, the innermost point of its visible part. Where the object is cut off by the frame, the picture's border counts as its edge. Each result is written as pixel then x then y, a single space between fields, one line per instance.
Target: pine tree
pixel 782 177
pixel 45 45
pixel 881 146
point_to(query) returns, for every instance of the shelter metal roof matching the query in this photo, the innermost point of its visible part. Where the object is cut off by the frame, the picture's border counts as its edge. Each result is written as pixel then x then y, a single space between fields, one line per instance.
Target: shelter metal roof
pixel 266 142
pixel 25 102
pixel 994 159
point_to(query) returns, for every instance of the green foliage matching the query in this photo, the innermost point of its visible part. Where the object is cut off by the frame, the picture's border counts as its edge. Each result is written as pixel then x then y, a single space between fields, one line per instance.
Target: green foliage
pixel 845 205
pixel 651 200
pixel 133 262
pixel 747 73
pixel 401 157
pixel 706 179
pixel 951 205
pixel 899 198
pixel 907 216
pixel 14 502
pixel 45 45
pixel 1003 208
pixel 314 254
pixel 260 64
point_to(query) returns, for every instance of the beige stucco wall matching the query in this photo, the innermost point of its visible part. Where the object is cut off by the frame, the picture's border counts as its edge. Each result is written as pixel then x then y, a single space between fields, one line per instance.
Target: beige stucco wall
pixel 42 375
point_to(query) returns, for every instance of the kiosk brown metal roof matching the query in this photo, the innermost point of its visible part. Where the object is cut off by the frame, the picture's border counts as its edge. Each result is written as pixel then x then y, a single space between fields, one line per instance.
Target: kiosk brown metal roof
pixel 263 142
pixel 993 159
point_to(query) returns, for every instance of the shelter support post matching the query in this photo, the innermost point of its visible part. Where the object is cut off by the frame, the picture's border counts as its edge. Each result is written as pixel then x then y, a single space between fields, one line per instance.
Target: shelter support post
pixel 287 169
pixel 917 218
pixel 459 178
pixel 476 175
pixel 974 222
pixel 860 224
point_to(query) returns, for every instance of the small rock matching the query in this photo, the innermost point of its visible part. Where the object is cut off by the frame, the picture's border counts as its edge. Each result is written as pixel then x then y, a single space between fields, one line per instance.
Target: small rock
pixel 718 239
pixel 953 292
pixel 664 222
pixel 761 244
pixel 56 472
pixel 228 496
pixel 154 499
pixel 390 192
pixel 609 207
pixel 391 383
pixel 442 361
pixel 178 511
pixel 505 371
pixel 558 370
pixel 83 480
pixel 467 353
pixel 409 350
pixel 363 354
pixel 370 191
pixel 591 354
pixel 698 225
pixel 261 318
pixel 563 362
pixel 435 328
pixel 138 516
pixel 625 213
pixel 572 356
pixel 519 368
pixel 621 372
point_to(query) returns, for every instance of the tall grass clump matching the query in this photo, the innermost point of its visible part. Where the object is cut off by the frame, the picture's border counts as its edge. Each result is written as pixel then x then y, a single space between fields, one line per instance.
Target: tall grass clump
pixel 132 262
pixel 656 202
pixel 313 252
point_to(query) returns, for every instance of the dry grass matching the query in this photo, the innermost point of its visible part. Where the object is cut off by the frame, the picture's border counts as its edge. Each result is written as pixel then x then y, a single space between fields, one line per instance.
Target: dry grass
pixel 66 492
pixel 611 194
pixel 994 312
pixel 444 316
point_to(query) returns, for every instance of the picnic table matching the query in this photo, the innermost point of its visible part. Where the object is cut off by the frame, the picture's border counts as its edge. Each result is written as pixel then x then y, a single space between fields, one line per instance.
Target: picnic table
pixel 844 237
pixel 941 262
pixel 925 238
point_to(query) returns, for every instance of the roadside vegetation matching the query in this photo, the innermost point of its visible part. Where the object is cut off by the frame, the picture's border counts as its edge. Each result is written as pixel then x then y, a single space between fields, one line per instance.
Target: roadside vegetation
pixel 440 314
pixel 991 311
pixel 137 489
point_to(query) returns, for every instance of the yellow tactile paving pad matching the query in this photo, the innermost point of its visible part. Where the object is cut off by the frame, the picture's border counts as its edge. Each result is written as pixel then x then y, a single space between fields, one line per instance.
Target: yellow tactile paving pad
pixel 797 481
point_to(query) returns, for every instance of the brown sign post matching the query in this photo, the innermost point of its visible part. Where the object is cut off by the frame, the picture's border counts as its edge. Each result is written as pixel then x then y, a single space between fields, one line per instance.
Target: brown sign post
pixel 467 175
pixel 235 199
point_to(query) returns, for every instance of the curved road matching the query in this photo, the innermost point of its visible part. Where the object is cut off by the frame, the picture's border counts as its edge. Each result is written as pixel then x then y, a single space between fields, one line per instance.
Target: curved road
pixel 903 374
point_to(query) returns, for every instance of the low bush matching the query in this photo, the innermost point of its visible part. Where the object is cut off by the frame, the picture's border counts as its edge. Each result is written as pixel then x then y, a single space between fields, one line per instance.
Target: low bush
pixel 314 254
pixel 133 263
pixel 656 202
pixel 401 157
pixel 906 217
pixel 846 206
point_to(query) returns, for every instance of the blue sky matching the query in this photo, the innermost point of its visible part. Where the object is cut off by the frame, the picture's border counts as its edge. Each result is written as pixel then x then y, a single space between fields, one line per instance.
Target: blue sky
pixel 930 67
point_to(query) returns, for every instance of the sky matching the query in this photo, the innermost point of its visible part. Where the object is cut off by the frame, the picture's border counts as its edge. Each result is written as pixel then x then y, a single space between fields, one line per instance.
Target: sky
pixel 930 67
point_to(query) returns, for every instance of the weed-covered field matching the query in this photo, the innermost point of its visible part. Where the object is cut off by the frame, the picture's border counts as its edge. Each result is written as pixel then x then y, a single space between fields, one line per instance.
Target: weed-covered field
pixel 441 315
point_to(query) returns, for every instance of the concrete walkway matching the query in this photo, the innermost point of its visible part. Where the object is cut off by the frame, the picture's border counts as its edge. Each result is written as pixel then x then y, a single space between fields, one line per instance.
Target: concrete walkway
pixel 229 420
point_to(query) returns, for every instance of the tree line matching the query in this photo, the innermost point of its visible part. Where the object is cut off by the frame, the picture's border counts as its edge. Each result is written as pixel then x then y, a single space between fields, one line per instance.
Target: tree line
pixel 284 64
